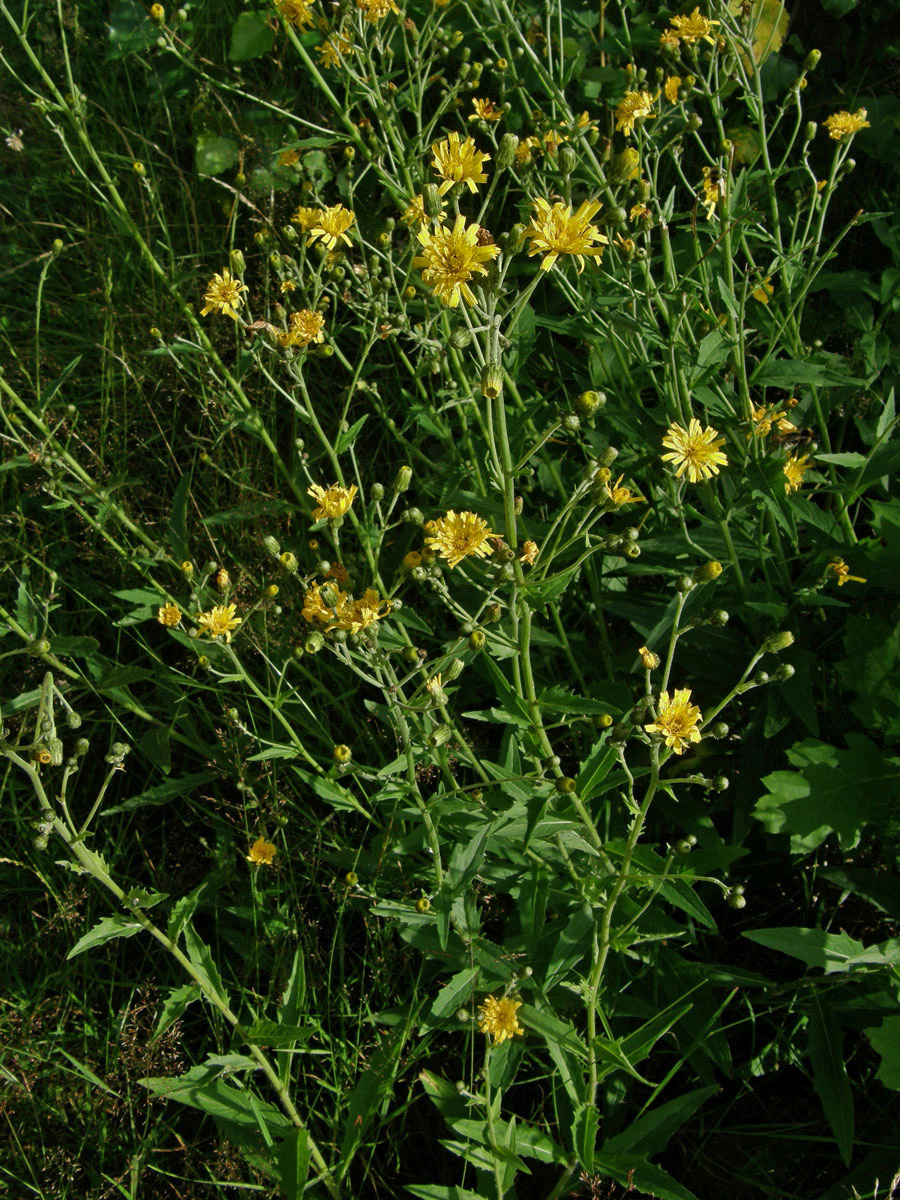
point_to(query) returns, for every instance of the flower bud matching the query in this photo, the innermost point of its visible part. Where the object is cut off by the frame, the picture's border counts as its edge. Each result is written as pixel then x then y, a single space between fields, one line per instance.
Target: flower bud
pixel 288 561
pixel 604 721
pixel 491 380
pixel 454 670
pixel 438 736
pixel 351 879
pixel 810 132
pixel 565 786
pixel 778 642
pixel 402 480
pixel 460 339
pixel 720 783
pixel 613 218
pixel 39 647
pixel 139 169
pixel 812 60
pixel 423 904
pixel 707 571
pixel 719 617
pixel 683 583
pixel 81 748
pixel 314 642
pixel 272 546
pixel 682 846
pixel 506 151
pixel 342 755
pixel 588 403
pixel 492 613
pixel 785 672
pixel 271 591
pixel 376 492
pixel 608 457
pixel 624 166
pixel 73 720
pixel 719 730
pixel 568 160
pixel 736 901
pixel 223 579
pixel 431 200
pixel 413 516
pixel 236 258
pixel 649 660
pixel 477 640
pixel 157 13
pixel 570 422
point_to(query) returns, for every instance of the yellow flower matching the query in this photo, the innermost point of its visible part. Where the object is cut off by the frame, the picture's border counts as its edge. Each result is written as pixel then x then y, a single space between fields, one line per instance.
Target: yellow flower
pixel 412 559
pixel 635 106
pixel 333 501
pixel 525 148
pixel 287 158
pixel 669 40
pixel 713 190
pixel 295 12
pixel 158 13
pixel 555 231
pixel 306 326
pixel 219 621
pixel 677 720
pixel 794 470
pixel 376 9
pixel 499 1019
pixel 553 139
pixel 223 579
pixel 451 258
pixel 287 285
pixel 585 123
pixel 764 291
pixel 223 294
pixel 458 162
pixel 844 124
pixel 415 214
pixel 673 83
pixel 619 495
pixel 764 418
pixel 485 110
pixel 262 852
pixel 529 553
pixel 336 610
pixel 457 535
pixel 639 212
pixel 169 615
pixel 694 450
pixel 333 49
pixel 306 218
pixel 648 658
pixel 332 225
pixel 841 572
pixel 360 614
pixel 693 28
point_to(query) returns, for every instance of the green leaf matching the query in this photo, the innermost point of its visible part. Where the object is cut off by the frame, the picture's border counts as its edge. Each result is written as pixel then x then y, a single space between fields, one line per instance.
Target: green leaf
pixel 584 1135
pixel 251 511
pixel 570 946
pixel 155 743
pixel 162 793
pixel 561 699
pixel 885 1040
pixel 641 1176
pixel 202 1088
pixel 832 952
pixel 832 1084
pixel 200 955
pixel 295 991
pixel 215 155
pixel 650 1133
pixel 348 437
pixel 595 769
pixel 251 37
pixel 852 460
pixel 276 1035
pixel 292 1156
pixel 174 1006
pixel 176 533
pixel 115 926
pixel 453 994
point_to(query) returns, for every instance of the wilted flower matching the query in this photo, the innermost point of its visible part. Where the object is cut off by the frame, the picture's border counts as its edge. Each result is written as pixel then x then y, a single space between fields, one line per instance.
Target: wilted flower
pixel 841 573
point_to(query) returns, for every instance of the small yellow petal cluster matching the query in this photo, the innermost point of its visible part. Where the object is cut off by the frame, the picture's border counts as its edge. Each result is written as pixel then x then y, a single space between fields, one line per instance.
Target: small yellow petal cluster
pixel 333 609
pixel 713 187
pixel 451 257
pixel 333 49
pixel 223 294
pixel 694 450
pixel 261 852
pixel 459 535
pixel 764 418
pixel 498 1018
pixel 844 124
pixel 169 615
pixel 619 495
pixel 648 658
pixel 375 10
pixel 689 29
pixel 306 218
pixel 334 501
pixel 794 470
pixel 296 12
pixel 764 291
pixel 557 230
pixel 529 553
pixel 305 326
pixel 841 573
pixel 525 149
pixel 485 110
pixel 458 162
pixel 673 83
pixel 635 106
pixel 415 213
pixel 553 139
pixel 219 621
pixel 332 225
pixel 677 720
pixel 288 158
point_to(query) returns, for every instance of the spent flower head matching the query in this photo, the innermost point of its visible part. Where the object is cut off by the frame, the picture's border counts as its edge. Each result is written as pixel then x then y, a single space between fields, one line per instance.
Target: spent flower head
pixel 677 720
pixel 459 535
pixel 694 450
pixel 713 188
pixel 840 572
pixel 843 124
pixel 556 230
pixel 498 1018
pixel 450 259
pixel 673 83
pixel 619 495
pixel 459 162
pixel 224 295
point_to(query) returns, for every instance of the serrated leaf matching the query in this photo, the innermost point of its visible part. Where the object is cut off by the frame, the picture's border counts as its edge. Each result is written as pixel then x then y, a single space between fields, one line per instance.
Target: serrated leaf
pixel 276 1035
pixel 202 1088
pixel 174 1006
pixel 115 926
pixel 454 993
pixel 832 952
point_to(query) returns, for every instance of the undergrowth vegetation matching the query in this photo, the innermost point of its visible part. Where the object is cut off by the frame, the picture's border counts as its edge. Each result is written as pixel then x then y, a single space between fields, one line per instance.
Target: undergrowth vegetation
pixel 449 603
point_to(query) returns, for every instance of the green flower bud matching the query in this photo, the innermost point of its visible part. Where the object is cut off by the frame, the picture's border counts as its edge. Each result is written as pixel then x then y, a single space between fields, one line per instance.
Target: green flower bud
pixel 438 736
pixel 613 218
pixel 720 783
pixel 289 562
pixel 342 755
pixel 81 747
pixel 812 60
pixel 454 670
pixel 423 904
pixel 707 571
pixel 402 480
pixel 565 786
pixel 477 640
pixel 39 647
pixel 351 879
pixel 491 380
pixel 413 516
pixel 314 642
pixel 506 151
pixel 568 159
pixel 236 258
pixel 719 617
pixel 376 492
pixel 785 672
pixel 588 403
pixel 778 642
pixel 432 200
pixel 683 846
pixel 460 339
pixel 810 131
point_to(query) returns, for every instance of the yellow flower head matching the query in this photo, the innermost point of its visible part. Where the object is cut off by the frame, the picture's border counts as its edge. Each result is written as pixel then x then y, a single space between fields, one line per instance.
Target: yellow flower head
pixel 639 212
pixel 635 106
pixel 586 124
pixel 333 502
pixel 690 29
pixel 376 9
pixel 485 110
pixel 673 83
pixel 296 12
pixel 306 326
pixel 287 158
pixel 525 150
pixel 619 495
pixel 529 553
pixel 333 49
pixel 694 450
pixel 841 573
pixel 458 162
pixel 553 139
pixel 415 214
pixel 332 225
pixel 794 470
pixel 764 418
pixel 498 1018
pixel 158 13
pixel 223 294
pixel 219 621
pixel 169 615
pixel 262 852
pixel 360 614
pixel 713 190
pixel 450 258
pixel 764 291
pixel 306 218
pixel 459 535
pixel 557 230
pixel 677 720
pixel 648 658
pixel 844 124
